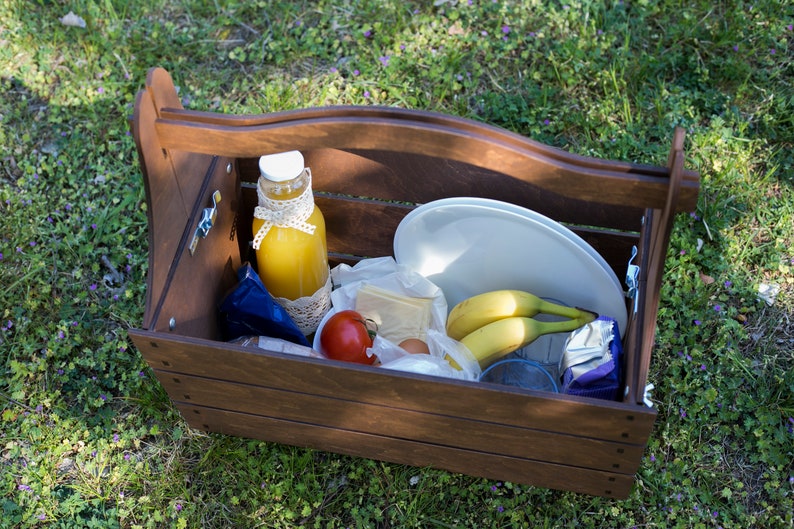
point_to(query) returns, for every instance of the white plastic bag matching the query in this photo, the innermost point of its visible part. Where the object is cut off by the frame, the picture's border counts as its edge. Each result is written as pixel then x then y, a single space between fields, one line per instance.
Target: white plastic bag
pixel 386 273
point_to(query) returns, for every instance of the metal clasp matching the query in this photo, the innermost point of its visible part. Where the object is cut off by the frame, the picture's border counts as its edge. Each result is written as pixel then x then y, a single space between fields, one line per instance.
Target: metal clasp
pixel 632 279
pixel 647 396
pixel 208 217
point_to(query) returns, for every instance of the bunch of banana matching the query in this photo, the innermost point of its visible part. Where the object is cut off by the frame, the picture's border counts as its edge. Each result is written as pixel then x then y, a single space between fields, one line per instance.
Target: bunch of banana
pixel 496 323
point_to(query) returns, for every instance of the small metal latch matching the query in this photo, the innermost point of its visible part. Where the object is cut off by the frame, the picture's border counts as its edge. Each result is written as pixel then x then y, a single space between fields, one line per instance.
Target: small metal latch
pixel 632 279
pixel 646 395
pixel 208 217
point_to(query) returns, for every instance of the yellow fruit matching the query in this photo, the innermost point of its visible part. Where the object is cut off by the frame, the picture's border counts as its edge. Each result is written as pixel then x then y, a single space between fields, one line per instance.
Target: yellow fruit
pixel 502 337
pixel 482 309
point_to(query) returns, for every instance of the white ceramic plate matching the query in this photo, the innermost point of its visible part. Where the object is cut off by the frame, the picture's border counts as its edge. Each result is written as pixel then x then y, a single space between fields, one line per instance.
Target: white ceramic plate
pixel 546 221
pixel 468 246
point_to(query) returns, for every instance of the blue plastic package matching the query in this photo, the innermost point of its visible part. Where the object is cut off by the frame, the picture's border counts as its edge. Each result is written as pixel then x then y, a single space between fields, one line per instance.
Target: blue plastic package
pixel 250 310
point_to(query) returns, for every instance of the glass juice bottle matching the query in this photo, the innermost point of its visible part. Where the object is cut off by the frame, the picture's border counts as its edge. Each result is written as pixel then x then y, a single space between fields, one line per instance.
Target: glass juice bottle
pixel 289 239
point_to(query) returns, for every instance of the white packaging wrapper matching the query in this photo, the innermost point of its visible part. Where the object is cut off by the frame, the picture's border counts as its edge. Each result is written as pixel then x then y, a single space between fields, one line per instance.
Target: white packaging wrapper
pixel 276 344
pixel 587 348
pixel 385 273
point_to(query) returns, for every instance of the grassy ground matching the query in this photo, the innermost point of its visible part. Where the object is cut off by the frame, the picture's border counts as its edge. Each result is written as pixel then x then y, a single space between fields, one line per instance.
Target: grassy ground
pixel 90 440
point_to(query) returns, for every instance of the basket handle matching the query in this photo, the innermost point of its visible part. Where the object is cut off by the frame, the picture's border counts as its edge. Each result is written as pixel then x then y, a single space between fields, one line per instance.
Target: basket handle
pixel 414 132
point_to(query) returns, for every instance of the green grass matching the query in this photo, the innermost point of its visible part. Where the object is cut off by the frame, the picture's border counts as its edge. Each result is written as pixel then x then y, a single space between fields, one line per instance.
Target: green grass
pixel 90 440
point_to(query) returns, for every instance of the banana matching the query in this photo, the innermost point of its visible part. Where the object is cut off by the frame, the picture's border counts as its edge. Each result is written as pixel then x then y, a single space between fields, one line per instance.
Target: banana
pixel 501 337
pixel 482 309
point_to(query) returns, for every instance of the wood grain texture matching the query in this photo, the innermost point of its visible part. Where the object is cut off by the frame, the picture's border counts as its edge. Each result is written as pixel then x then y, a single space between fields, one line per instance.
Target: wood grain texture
pixel 161 88
pixel 597 419
pixel 407 452
pixel 165 208
pixel 346 133
pixel 415 179
pixel 397 422
pixel 196 282
pixel 420 116
pixel 172 182
pixel 365 228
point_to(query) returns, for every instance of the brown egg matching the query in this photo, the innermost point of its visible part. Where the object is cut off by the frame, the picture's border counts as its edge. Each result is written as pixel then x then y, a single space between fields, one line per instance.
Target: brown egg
pixel 415 346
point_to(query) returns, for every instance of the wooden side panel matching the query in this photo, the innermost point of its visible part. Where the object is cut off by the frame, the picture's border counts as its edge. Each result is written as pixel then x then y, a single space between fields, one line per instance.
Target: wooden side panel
pixel 597 419
pixel 659 241
pixel 633 339
pixel 172 181
pixel 408 452
pixel 166 212
pixel 391 421
pixel 189 168
pixel 655 238
pixel 199 280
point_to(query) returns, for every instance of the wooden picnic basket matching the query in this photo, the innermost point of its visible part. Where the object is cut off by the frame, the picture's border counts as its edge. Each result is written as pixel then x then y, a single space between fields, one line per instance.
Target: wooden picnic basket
pixel 371 165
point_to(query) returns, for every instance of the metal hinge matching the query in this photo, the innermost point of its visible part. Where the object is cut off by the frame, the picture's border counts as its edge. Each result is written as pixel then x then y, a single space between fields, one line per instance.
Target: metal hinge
pixel 646 395
pixel 208 217
pixel 632 279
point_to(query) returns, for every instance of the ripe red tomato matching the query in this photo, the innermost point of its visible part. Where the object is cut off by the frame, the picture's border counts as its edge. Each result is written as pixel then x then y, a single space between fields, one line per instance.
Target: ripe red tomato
pixel 345 336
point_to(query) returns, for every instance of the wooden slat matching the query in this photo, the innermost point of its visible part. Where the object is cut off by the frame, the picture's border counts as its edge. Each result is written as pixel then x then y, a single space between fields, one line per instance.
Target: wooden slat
pixel 597 419
pixel 614 247
pixel 355 227
pixel 364 228
pixel 421 116
pixel 489 437
pixel 416 179
pixel 345 133
pixel 407 452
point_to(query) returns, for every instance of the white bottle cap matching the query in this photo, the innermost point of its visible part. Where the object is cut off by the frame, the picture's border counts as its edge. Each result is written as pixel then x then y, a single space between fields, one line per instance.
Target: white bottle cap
pixel 281 166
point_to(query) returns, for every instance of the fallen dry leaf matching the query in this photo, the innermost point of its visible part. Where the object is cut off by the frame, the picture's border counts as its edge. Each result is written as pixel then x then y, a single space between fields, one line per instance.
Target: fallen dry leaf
pixel 456 29
pixel 707 280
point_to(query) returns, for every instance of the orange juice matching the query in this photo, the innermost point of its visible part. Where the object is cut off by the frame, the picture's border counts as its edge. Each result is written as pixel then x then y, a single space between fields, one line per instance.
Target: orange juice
pixel 292 256
pixel 293 264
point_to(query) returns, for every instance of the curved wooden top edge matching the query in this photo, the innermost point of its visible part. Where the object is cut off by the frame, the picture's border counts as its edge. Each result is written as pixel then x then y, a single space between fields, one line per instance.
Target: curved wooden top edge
pixel 161 87
pixel 605 184
pixel 417 116
pixel 412 131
